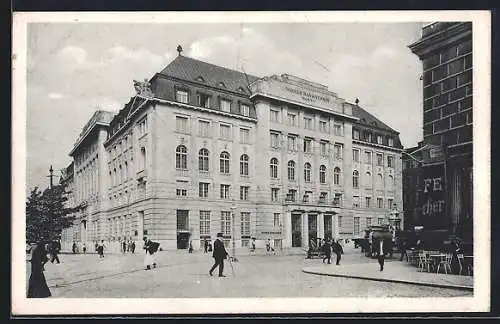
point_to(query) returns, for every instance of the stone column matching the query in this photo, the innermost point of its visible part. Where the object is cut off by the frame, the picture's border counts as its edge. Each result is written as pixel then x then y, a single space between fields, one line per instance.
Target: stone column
pixel 321 225
pixel 305 231
pixel 287 230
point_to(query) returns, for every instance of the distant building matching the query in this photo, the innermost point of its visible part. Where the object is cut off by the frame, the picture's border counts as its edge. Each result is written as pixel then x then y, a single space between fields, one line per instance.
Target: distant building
pixel 203 149
pixel 412 186
pixel 445 50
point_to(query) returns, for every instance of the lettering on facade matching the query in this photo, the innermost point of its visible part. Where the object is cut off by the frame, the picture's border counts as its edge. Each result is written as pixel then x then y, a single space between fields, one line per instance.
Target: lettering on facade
pixel 307 96
pixel 433 203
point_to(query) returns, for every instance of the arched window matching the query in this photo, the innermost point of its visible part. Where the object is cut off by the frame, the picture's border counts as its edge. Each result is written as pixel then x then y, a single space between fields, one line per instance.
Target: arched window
pixel 203 158
pixel 291 170
pixel 368 179
pixel 336 176
pixel 244 165
pixel 274 168
pixel 143 158
pixel 224 162
pixel 181 157
pixel 380 180
pixel 307 172
pixel 391 181
pixel 322 174
pixel 355 179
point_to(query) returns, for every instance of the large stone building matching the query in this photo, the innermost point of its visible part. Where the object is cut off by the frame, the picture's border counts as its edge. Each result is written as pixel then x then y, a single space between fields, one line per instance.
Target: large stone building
pixel 445 50
pixel 202 149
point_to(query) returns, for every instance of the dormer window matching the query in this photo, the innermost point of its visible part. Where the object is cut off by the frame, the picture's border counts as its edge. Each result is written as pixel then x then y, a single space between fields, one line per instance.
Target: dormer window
pixel 181 96
pixel 355 134
pixel 379 139
pixel 222 85
pixel 390 141
pixel 244 110
pixel 368 136
pixel 225 105
pixel 200 79
pixel 204 100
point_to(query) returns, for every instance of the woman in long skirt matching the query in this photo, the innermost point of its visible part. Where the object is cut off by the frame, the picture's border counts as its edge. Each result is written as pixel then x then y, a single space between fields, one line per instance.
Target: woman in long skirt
pixel 149 258
pixel 37 286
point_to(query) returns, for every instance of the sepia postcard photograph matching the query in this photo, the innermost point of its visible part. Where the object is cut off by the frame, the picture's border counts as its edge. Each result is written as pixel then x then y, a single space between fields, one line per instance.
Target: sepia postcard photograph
pixel 250 162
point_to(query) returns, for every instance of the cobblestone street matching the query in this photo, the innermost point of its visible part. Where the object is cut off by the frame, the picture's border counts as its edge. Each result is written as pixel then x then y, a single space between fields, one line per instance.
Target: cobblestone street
pixel 183 275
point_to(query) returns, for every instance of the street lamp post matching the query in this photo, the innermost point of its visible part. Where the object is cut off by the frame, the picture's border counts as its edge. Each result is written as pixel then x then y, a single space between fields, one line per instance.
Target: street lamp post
pixel 233 234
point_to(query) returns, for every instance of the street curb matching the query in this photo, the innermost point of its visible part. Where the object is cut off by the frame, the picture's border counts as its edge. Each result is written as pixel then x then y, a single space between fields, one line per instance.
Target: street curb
pixel 419 283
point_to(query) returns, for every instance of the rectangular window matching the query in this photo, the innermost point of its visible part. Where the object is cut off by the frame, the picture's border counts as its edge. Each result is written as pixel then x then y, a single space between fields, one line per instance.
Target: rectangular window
pixel 244 192
pixel 182 220
pixel 291 119
pixel 355 201
pixel 225 132
pixel 323 148
pixel 204 128
pixel 323 196
pixel 368 157
pixel 368 137
pixel 380 203
pixel 275 143
pixel 390 203
pixel 181 192
pixel 380 221
pixel 224 191
pixel 274 115
pixel 181 124
pixel 244 135
pixel 338 148
pixel 204 100
pixel 292 143
pixel 307 123
pixel 355 155
pixel 368 201
pixel 204 222
pixel 338 129
pixel 244 110
pixel 291 195
pixel 203 189
pixel 276 219
pixel 337 199
pixel 307 196
pixel 225 105
pixel 380 159
pixel 356 225
pixel 181 96
pixel 355 134
pixel 379 139
pixel 323 126
pixel 275 194
pixel 307 145
pixel 368 221
pixel 245 224
pixel 225 223
pixel 390 141
pixel 390 161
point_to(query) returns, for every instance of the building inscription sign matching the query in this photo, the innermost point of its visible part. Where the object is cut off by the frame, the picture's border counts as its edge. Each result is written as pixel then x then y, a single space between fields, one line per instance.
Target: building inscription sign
pixel 307 95
pixel 433 194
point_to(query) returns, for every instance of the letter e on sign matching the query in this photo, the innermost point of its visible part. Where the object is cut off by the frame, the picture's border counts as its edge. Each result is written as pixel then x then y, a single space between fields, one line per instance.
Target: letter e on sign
pixel 437 184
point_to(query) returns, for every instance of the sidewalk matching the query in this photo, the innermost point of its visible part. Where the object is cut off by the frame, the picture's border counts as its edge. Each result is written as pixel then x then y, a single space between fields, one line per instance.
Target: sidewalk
pixel 394 271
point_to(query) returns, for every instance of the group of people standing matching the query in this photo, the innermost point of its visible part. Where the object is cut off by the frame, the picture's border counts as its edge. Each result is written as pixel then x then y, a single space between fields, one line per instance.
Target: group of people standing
pixel 330 246
pixel 128 246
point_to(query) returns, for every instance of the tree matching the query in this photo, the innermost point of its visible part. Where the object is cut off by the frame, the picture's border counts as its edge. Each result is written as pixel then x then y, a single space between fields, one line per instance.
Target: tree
pixel 47 213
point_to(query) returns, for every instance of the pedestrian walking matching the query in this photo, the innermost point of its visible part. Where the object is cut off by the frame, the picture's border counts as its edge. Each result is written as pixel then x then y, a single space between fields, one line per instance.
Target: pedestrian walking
pixel 219 255
pixel 150 247
pixel 252 248
pixel 190 250
pixel 381 255
pixel 100 249
pixel 205 245
pixel 54 248
pixel 37 285
pixel 337 249
pixel 327 250
pixel 73 248
pixel 132 247
pixel 269 248
pixel 84 249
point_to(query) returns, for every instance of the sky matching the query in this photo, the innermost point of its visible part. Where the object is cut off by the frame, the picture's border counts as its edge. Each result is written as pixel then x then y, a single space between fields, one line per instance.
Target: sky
pixel 74 69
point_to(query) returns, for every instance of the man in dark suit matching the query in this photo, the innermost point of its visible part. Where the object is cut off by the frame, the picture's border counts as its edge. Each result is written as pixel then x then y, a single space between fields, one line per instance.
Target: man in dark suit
pixel 219 255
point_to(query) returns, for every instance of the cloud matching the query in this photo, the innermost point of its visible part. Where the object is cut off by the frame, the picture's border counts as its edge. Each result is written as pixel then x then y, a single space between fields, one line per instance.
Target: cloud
pixel 141 55
pixel 55 95
pixel 74 55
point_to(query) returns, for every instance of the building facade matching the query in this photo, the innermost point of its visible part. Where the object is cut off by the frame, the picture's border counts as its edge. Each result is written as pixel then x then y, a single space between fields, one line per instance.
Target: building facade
pixel 445 50
pixel 202 149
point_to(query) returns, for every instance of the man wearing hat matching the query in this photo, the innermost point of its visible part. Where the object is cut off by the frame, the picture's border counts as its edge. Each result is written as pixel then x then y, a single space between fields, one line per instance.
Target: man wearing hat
pixel 219 255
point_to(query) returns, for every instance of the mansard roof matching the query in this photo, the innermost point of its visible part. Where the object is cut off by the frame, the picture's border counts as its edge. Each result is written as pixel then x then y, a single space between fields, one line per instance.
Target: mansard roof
pixel 368 120
pixel 186 68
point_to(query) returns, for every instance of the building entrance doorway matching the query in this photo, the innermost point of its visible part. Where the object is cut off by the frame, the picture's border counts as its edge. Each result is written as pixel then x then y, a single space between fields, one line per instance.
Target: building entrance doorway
pixel 296 230
pixel 183 233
